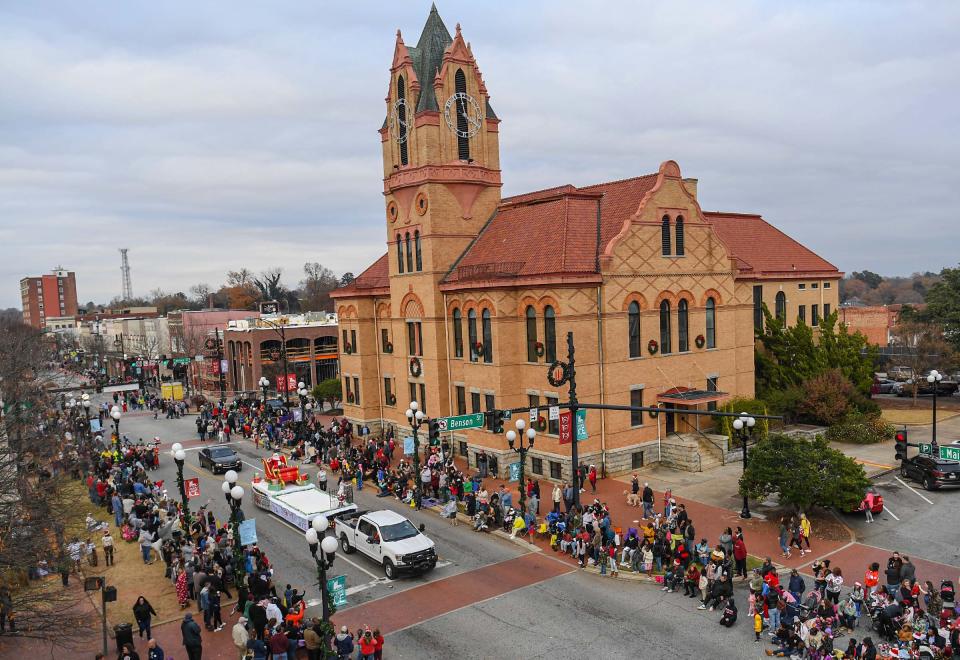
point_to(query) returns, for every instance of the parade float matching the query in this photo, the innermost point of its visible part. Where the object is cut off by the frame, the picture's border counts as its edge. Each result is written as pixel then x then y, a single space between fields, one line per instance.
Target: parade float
pixel 285 491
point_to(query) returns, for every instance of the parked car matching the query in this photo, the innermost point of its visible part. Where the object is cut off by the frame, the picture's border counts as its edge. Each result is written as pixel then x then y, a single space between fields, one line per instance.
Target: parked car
pixel 220 459
pixel 944 388
pixel 900 373
pixel 388 539
pixel 882 386
pixel 931 472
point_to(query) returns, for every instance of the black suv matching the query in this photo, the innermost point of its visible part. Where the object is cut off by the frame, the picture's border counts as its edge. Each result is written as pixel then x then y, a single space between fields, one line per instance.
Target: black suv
pixel 220 459
pixel 931 472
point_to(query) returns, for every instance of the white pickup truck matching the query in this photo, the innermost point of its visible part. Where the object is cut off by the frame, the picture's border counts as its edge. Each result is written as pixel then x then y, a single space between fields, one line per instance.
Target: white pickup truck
pixel 389 539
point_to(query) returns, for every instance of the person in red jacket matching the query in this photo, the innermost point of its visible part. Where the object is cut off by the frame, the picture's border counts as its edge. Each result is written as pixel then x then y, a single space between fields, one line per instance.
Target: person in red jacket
pixel 592 478
pixel 740 557
pixel 378 642
pixel 368 645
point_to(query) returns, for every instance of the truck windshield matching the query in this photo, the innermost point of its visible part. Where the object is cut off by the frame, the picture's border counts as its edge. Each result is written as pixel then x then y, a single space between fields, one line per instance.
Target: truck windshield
pixel 399 531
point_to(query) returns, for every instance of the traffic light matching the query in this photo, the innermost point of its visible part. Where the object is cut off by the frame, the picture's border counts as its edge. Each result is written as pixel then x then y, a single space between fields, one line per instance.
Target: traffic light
pixel 499 417
pixel 901 444
pixel 434 432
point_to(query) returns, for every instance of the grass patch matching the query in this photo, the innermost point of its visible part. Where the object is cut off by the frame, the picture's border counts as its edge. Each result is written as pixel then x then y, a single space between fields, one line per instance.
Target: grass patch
pixel 913 416
pixel 129 574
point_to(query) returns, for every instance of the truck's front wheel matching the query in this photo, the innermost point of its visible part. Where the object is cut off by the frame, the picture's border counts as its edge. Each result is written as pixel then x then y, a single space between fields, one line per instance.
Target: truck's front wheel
pixel 345 545
pixel 389 570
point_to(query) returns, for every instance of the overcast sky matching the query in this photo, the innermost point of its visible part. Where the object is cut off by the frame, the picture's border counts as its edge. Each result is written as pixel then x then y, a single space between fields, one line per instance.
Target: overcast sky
pixel 208 136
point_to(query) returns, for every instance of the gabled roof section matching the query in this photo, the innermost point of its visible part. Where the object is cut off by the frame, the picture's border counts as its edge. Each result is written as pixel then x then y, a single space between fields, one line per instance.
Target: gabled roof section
pixel 761 250
pixel 374 281
pixel 427 57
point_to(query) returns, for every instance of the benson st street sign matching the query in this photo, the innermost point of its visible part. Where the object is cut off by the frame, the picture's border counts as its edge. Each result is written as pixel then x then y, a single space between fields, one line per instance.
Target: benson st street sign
pixel 460 422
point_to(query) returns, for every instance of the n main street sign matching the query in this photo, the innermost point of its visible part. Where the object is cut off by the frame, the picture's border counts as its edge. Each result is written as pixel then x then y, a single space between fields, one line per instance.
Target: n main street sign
pixel 946 453
pixel 460 422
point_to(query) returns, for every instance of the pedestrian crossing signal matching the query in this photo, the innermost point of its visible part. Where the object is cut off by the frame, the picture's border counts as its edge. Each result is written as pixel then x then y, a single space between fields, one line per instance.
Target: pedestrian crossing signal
pixel 900 446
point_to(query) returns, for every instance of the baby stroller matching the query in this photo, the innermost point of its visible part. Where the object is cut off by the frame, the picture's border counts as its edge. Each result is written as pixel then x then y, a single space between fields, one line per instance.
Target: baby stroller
pixel 810 604
pixel 480 523
pixel 947 593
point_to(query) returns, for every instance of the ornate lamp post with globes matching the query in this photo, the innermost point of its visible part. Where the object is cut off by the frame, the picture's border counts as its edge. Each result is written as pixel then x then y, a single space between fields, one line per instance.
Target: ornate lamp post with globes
pixel 416 419
pixel 934 378
pixel 179 456
pixel 520 449
pixel 234 495
pixel 115 415
pixel 743 424
pixel 264 384
pixel 324 549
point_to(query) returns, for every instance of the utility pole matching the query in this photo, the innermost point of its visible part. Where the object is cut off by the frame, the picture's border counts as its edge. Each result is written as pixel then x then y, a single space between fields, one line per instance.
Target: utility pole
pixel 574 450
pixel 223 383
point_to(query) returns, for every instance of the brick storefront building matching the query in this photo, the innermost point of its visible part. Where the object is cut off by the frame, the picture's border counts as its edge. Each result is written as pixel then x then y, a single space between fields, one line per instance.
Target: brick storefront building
pixel 48 296
pixel 476 293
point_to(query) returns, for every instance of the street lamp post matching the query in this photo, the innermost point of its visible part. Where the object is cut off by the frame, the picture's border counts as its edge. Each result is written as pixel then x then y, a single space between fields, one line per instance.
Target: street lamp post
pixel 86 414
pixel 264 384
pixel 115 415
pixel 520 449
pixel 302 393
pixel 742 425
pixel 416 419
pixel 934 378
pixel 324 552
pixel 234 495
pixel 179 456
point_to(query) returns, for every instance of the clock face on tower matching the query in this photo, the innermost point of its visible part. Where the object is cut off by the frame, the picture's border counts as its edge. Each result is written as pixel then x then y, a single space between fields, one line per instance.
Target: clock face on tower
pixel 398 121
pixel 463 115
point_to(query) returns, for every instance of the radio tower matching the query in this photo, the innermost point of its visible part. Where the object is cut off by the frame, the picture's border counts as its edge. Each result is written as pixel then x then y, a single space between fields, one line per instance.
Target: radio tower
pixel 125 270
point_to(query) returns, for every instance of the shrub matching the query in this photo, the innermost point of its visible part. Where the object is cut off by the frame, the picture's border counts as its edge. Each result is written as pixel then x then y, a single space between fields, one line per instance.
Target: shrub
pixel 785 402
pixel 862 429
pixel 828 398
pixel 750 406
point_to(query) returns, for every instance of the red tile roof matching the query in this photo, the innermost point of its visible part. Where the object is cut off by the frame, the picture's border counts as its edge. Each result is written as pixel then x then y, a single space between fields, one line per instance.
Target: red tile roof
pixel 375 280
pixel 760 249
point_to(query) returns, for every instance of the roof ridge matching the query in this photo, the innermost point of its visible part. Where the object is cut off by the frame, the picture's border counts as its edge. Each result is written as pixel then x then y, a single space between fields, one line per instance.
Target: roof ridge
pixel 541 190
pixel 631 178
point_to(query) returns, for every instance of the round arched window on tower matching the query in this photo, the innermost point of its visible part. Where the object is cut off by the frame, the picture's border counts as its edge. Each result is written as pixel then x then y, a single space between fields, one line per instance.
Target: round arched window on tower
pixel 421 204
pixel 393 211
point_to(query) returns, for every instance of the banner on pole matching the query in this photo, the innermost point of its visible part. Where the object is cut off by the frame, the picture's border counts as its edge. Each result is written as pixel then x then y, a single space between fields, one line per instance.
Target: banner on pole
pixel 248 531
pixel 337 588
pixel 515 471
pixel 192 487
pixel 408 445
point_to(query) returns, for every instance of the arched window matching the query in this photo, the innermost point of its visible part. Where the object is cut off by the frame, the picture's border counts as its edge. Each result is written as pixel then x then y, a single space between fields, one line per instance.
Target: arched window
pixel 679 232
pixel 487 337
pixel 711 323
pixel 550 333
pixel 633 328
pixel 402 120
pixel 683 342
pixel 409 253
pixel 457 333
pixel 416 242
pixel 400 253
pixel 781 306
pixel 531 315
pixel 472 334
pixel 665 327
pixel 463 142
pixel 665 235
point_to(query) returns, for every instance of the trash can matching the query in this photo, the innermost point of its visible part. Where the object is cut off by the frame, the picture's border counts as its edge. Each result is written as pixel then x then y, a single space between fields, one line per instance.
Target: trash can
pixel 124 634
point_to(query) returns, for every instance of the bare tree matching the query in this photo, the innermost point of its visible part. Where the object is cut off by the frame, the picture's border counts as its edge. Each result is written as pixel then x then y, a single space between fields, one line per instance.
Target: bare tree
pixel 924 348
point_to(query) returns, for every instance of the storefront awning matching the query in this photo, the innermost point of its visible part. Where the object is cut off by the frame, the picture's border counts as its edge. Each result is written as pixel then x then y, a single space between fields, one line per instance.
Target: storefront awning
pixel 686 396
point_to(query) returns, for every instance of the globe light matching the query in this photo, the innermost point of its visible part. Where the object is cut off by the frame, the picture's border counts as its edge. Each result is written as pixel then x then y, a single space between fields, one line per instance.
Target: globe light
pixel 301 385
pixel 225 487
pixel 320 523
pixel 237 493
pixel 414 405
pixel 521 424
pixel 176 447
pixel 230 476
pixel 738 424
pixel 328 545
pixel 531 435
pixel 409 413
pixel 114 409
pixel 511 437
pixel 180 455
pixel 311 536
pixel 419 415
pixel 751 422
pixel 115 414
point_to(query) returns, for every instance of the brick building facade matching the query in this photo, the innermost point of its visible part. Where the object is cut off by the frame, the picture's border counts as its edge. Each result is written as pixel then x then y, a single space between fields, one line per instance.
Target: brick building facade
pixel 476 293
pixel 47 296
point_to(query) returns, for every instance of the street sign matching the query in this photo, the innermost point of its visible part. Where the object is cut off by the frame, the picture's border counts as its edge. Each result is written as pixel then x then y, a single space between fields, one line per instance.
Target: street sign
pixel 515 471
pixel 946 453
pixel 554 413
pixel 534 415
pixel 192 487
pixel 461 422
pixel 181 360
pixel 337 588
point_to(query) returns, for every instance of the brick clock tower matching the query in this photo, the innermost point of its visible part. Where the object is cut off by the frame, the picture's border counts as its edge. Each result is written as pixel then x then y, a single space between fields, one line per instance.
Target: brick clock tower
pixel 441 169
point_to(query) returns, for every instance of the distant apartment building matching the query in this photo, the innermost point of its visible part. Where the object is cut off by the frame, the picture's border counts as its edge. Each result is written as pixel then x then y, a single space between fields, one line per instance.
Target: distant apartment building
pixel 876 322
pixel 48 296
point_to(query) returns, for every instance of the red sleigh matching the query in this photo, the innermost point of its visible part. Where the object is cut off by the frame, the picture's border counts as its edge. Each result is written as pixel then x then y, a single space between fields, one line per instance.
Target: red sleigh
pixel 276 471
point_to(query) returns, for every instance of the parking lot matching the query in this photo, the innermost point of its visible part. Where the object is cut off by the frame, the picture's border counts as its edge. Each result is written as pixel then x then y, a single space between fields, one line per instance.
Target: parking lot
pixel 917 522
